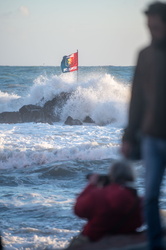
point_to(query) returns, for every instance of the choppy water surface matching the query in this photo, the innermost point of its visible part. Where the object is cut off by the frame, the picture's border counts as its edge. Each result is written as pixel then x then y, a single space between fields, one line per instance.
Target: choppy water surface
pixel 43 167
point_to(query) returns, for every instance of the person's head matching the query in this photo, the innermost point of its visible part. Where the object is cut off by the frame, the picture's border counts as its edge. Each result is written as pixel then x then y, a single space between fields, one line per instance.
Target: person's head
pixel 156 15
pixel 121 173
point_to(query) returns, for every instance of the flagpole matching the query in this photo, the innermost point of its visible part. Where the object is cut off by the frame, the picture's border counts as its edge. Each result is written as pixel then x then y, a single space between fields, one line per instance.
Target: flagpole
pixel 77 64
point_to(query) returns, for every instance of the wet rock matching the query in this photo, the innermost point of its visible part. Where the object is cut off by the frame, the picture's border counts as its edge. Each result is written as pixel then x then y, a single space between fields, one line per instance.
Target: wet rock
pixel 88 119
pixel 32 113
pixel 10 117
pixel 49 113
pixel 71 121
pixel 52 109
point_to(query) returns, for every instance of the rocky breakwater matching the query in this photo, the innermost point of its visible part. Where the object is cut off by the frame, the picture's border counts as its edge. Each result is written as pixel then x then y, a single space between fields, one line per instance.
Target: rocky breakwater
pixel 36 113
pixel 43 114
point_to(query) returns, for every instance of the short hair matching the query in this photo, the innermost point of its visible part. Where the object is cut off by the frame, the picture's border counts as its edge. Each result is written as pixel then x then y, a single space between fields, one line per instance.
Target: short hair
pixel 121 172
pixel 157 8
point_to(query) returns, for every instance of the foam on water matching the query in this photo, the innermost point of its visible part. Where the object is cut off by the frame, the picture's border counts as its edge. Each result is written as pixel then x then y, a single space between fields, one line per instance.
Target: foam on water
pixel 102 98
pixel 8 101
pixel 37 242
pixel 24 145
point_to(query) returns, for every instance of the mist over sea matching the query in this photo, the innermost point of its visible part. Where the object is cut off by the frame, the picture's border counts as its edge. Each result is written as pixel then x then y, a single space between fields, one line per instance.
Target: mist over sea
pixel 42 166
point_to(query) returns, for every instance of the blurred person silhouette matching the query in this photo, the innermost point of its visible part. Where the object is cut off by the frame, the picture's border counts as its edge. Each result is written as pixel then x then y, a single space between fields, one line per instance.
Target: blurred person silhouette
pixel 110 204
pixel 147 116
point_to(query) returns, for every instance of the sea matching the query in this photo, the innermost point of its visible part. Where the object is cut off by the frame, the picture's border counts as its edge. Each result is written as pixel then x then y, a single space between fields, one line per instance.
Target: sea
pixel 43 167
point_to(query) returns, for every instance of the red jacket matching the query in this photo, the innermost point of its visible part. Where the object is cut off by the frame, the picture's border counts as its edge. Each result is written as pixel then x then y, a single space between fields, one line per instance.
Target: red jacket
pixel 106 207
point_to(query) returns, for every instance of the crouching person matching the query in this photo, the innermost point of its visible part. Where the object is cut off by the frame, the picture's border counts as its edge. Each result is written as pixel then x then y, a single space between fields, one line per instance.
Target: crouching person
pixel 110 209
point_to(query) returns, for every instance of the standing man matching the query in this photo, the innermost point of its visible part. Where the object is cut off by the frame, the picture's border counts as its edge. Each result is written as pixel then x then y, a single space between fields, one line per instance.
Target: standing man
pixel 147 114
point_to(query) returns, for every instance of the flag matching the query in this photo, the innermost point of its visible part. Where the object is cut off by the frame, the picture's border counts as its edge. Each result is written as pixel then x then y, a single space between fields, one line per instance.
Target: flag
pixel 70 63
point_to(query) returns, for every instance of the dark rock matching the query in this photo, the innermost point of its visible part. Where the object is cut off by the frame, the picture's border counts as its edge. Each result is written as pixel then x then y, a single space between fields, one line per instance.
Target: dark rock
pixel 116 242
pixel 28 108
pixel 88 119
pixel 49 113
pixel 57 102
pixel 71 121
pixel 10 117
pixel 32 113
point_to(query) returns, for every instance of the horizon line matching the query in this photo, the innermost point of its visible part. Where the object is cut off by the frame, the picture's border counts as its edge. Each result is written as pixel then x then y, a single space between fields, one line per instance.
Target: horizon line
pixel 60 66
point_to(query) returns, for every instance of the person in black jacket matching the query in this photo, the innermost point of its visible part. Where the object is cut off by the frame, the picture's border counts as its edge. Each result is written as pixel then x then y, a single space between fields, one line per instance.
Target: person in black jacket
pixel 147 116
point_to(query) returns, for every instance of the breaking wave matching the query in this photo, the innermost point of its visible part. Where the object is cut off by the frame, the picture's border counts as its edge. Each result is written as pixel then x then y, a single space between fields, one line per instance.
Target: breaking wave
pixel 101 97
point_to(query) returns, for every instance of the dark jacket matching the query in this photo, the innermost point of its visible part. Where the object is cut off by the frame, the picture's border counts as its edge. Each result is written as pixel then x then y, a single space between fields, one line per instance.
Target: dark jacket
pixel 148 99
pixel 106 208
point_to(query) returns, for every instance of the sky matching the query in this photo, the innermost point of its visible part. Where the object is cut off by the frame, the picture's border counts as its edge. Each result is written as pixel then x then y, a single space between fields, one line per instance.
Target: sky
pixel 41 32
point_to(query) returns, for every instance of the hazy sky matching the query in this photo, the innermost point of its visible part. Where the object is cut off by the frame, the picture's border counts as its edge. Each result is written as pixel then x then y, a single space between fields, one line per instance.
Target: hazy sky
pixel 41 32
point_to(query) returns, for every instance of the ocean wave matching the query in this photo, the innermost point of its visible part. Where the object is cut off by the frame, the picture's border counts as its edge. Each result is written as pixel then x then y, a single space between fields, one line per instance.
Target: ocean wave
pixel 101 97
pixel 24 159
pixel 26 145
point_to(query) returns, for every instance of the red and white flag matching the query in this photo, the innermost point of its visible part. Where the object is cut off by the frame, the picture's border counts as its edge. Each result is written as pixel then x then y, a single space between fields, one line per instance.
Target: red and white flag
pixel 70 63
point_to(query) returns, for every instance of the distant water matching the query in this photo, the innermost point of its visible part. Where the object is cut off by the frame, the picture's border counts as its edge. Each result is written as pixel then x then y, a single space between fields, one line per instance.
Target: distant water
pixel 42 166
